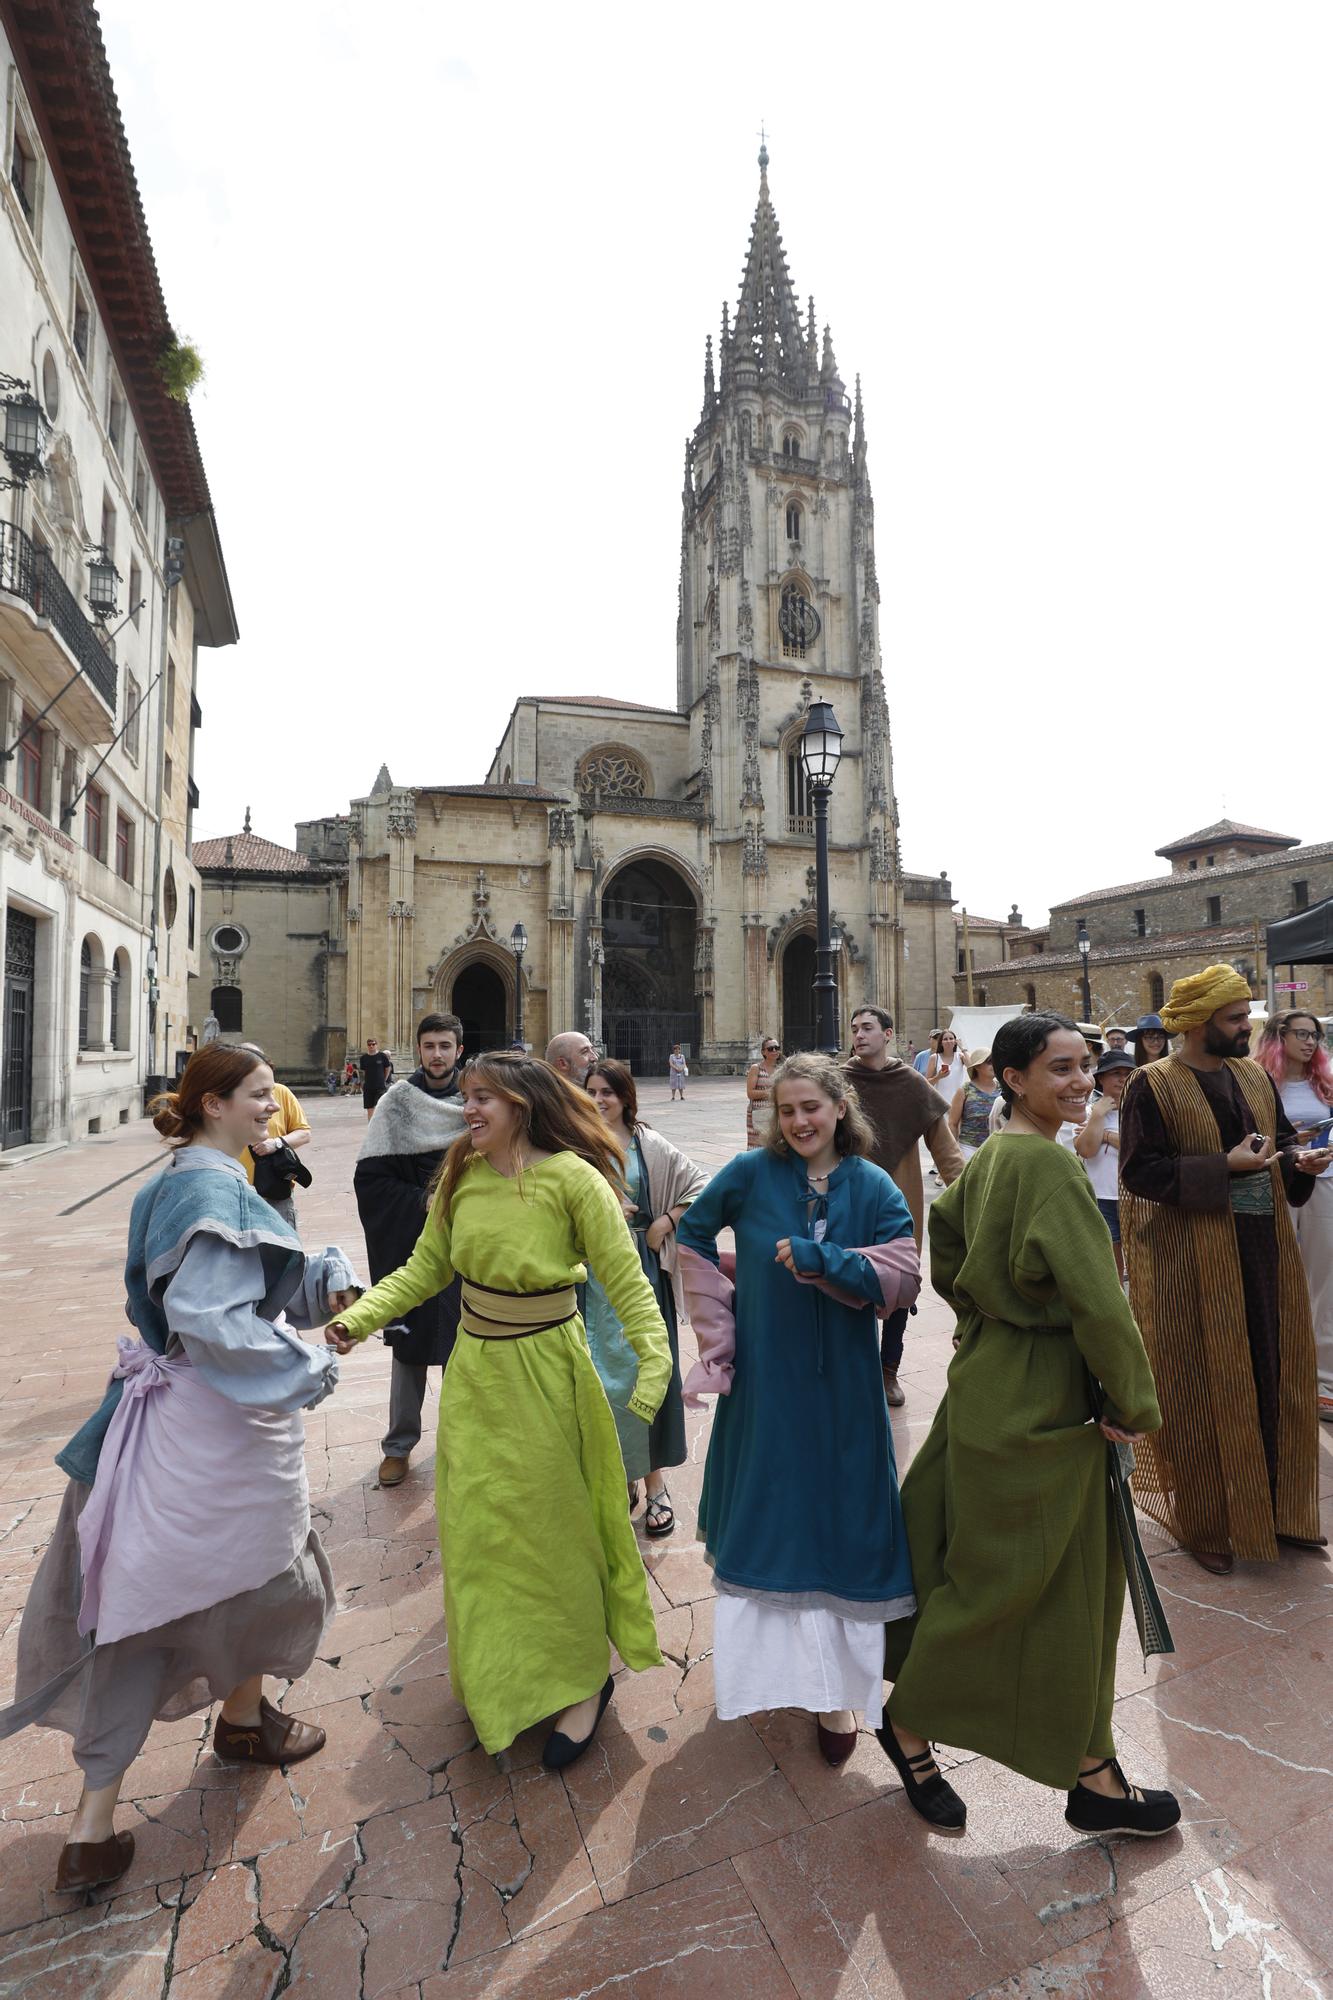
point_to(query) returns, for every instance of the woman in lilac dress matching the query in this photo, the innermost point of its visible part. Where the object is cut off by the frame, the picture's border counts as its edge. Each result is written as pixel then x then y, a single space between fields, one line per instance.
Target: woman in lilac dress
pixel 183 1566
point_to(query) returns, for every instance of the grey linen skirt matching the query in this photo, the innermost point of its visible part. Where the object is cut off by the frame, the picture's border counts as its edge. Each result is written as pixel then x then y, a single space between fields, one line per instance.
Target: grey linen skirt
pixel 108 1697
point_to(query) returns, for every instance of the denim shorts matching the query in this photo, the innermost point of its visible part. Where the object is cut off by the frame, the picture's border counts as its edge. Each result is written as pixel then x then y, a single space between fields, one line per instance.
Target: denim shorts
pixel 1111 1217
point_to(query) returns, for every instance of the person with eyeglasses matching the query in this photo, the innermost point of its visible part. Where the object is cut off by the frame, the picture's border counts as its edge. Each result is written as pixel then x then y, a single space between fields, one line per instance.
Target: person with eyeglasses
pixel 758 1086
pixel 1292 1049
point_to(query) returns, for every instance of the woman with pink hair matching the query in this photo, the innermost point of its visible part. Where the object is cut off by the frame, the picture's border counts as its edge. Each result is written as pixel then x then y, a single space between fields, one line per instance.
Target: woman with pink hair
pixel 1293 1051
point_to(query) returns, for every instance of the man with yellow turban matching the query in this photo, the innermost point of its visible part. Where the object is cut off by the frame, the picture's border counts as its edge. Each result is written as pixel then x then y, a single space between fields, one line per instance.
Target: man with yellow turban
pixel 1209 1164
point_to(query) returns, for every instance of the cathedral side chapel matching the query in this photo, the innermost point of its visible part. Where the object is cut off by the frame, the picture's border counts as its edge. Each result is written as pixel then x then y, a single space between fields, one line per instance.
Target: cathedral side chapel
pixel 661 860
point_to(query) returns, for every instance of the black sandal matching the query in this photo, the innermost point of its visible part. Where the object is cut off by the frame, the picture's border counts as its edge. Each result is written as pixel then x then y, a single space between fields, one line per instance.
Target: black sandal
pixel 633 1491
pixel 927 1792
pixel 654 1523
pixel 1140 1811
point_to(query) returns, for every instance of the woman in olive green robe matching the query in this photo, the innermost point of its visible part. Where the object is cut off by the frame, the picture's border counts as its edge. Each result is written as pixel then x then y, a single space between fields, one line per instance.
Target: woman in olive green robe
pixel 1019 1578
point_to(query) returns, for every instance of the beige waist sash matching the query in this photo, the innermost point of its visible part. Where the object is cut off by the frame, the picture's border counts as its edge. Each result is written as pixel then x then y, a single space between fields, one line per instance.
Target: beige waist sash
pixel 488 1314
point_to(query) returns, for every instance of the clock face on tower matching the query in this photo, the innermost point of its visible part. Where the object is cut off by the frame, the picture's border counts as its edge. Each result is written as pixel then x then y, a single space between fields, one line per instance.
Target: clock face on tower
pixel 798 621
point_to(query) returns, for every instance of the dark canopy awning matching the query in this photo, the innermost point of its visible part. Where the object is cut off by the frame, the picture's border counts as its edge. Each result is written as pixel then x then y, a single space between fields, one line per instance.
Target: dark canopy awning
pixel 1305 939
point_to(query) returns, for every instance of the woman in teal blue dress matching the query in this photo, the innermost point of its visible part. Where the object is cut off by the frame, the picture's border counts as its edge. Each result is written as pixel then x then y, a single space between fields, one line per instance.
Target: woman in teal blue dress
pixel 810 1562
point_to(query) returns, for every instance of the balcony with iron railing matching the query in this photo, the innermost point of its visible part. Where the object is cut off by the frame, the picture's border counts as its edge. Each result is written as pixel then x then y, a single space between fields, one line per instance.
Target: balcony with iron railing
pixel 50 636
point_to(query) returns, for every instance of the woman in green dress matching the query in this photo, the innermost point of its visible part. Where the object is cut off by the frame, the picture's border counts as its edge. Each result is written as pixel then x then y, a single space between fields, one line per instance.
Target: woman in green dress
pixel 1020 1582
pixel 542 1573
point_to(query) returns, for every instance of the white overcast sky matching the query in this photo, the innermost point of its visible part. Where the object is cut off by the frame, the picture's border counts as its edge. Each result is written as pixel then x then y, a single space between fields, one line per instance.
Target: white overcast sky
pixel 451 271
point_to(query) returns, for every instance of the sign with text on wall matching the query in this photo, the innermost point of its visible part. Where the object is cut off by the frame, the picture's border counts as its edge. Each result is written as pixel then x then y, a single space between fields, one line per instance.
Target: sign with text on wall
pixel 1291 986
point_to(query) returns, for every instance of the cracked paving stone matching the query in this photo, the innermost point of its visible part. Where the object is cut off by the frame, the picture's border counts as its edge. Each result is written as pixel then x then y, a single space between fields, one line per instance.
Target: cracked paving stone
pixel 676 1942
pixel 656 1803
pixel 1210 1937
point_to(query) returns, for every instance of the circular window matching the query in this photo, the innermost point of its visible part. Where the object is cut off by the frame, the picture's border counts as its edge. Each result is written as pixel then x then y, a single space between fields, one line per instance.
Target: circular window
pixel 170 902
pixel 51 387
pixel 229 939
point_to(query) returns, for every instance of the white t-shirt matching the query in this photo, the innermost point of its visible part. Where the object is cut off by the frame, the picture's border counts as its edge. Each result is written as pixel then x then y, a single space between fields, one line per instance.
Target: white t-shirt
pixel 950 1081
pixel 1104 1166
pixel 1305 1108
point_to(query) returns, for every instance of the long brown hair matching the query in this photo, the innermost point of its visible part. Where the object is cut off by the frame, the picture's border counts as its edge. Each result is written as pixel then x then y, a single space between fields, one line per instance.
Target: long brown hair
pixel 851 1134
pixel 621 1081
pixel 554 1116
pixel 214 1071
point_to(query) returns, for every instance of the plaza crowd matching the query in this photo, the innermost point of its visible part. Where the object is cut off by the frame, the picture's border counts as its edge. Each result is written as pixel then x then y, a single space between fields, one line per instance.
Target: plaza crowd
pixel 1137 1248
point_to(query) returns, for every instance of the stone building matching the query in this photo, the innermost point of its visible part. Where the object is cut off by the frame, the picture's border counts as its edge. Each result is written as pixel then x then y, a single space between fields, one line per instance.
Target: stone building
pixel 1226 883
pixel 274 961
pixel 661 860
pixel 99 900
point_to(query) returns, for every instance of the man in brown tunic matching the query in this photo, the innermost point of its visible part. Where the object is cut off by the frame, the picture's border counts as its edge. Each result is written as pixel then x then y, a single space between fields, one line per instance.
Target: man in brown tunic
pixel 903 1108
pixel 1209 1169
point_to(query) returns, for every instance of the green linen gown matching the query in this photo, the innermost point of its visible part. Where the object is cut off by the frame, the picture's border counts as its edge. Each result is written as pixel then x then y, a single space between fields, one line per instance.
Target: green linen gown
pixel 1019 1578
pixel 541 1566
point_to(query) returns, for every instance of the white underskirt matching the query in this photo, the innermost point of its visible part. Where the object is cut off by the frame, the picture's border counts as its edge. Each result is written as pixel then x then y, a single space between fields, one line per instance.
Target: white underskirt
pixel 766 1657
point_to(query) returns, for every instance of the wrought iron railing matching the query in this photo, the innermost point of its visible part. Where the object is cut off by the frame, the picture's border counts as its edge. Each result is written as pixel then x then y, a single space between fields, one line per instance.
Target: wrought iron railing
pixel 29 572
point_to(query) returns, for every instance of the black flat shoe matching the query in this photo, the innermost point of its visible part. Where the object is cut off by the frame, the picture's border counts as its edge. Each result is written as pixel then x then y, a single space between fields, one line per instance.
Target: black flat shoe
pixel 1141 1811
pixel 560 1751
pixel 932 1796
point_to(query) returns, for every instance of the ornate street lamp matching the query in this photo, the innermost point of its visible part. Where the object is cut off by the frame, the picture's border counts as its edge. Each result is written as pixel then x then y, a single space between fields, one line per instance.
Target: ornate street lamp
pixel 103 576
pixel 1084 943
pixel 26 432
pixel 518 944
pixel 821 748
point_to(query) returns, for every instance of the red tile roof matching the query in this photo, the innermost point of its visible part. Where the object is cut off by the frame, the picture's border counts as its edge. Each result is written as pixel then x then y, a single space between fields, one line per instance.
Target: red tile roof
pixel 247 853
pixel 1225 829
pixel 1247 862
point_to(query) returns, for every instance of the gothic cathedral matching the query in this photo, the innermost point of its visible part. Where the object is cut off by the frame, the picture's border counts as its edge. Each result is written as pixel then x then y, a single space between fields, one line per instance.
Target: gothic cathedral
pixel 660 860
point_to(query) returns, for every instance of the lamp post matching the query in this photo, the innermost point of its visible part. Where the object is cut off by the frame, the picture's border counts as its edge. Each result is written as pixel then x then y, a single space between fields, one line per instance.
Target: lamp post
pixel 26 433
pixel 1084 948
pixel 103 576
pixel 518 944
pixel 821 747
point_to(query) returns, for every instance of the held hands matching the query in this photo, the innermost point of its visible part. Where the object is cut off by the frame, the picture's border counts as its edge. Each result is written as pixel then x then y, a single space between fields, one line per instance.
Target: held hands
pixel 337 1336
pixel 1116 1436
pixel 1252 1153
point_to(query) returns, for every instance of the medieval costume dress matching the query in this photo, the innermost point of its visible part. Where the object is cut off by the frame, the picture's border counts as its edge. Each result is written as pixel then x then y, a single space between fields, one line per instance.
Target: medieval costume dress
pixel 541 1567
pixel 1216 1282
pixel 658 1178
pixel 183 1560
pixel 799 1511
pixel 1018 1566
pixel 903 1109
pixel 413 1127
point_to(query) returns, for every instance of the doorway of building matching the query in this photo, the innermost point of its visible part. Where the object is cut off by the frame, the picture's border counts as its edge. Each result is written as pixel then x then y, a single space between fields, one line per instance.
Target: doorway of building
pixel 16 1051
pixel 648 930
pixel 482 1005
pixel 798 993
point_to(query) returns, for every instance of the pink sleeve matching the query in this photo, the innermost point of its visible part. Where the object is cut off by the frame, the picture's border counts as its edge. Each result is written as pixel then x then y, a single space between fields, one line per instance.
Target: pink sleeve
pixel 897 1266
pixel 711 1298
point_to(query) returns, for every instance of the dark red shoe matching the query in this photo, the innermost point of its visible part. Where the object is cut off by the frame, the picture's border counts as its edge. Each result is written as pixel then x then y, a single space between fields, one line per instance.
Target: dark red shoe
pixel 836 1745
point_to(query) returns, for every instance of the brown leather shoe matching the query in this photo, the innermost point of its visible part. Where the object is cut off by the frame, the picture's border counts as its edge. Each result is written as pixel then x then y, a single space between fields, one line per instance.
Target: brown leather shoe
pixel 1215 1564
pixel 279 1739
pixel 85 1865
pixel 893 1390
pixel 836 1745
pixel 393 1471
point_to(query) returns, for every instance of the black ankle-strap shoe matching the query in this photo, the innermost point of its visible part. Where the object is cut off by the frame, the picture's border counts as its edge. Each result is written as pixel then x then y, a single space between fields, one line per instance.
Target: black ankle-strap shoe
pixel 560 1750
pixel 1141 1811
pixel 927 1792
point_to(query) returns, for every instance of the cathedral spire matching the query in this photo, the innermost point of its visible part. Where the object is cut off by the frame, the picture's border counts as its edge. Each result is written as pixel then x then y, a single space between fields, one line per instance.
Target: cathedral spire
pixel 828 369
pixel 768 317
pixel 710 382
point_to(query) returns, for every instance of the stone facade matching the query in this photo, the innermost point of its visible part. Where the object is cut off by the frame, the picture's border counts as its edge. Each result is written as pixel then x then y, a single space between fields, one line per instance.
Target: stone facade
pixel 661 860
pixel 99 899
pixel 1226 884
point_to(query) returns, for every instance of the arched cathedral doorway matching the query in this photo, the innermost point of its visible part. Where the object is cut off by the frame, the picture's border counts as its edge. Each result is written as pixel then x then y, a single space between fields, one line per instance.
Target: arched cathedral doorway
pixel 481 1004
pixel 798 993
pixel 648 933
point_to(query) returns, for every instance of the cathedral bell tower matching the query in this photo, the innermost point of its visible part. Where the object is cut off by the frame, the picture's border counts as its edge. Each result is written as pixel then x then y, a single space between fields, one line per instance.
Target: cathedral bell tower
pixel 779 603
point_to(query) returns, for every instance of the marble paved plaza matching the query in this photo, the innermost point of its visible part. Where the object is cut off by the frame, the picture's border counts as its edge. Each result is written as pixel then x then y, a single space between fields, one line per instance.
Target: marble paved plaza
pixel 682 1856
